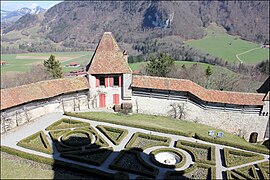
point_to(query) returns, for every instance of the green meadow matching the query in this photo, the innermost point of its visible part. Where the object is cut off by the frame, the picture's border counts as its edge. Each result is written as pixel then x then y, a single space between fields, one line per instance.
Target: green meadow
pixel 24 62
pixel 220 44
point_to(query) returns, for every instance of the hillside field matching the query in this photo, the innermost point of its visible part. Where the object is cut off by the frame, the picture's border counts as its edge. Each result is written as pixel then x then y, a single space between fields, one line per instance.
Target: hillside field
pixel 24 62
pixel 220 44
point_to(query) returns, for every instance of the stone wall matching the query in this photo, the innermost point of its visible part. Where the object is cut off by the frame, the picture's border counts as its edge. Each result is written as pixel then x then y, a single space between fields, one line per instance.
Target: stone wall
pixel 236 122
pixel 21 114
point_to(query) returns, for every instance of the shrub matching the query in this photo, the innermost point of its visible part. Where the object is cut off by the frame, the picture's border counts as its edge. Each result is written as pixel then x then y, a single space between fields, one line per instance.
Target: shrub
pixel 116 135
pixel 131 161
pixel 264 168
pixel 81 141
pixel 37 142
pixel 195 148
pixel 150 141
pixel 178 165
pixel 92 156
pixel 236 157
pixel 57 163
pixel 193 172
pixel 100 142
pixel 226 143
pixel 247 172
pixel 67 123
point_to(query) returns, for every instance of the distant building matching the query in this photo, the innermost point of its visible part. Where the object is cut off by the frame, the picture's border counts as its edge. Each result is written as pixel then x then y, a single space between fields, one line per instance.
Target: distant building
pixel 74 64
pixel 2 63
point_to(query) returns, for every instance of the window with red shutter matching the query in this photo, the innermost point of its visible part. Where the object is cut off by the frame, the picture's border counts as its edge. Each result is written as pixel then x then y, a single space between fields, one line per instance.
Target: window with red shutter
pixel 116 99
pixel 120 81
pixel 97 82
pixel 106 81
pixel 111 82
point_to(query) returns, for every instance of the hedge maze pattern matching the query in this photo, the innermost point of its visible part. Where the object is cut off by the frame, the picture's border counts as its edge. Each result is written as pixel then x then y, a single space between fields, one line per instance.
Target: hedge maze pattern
pixel 79 141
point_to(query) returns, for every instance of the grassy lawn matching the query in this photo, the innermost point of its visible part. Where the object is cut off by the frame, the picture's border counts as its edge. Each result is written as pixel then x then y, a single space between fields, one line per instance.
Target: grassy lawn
pixel 220 44
pixel 164 123
pixel 24 62
pixel 19 168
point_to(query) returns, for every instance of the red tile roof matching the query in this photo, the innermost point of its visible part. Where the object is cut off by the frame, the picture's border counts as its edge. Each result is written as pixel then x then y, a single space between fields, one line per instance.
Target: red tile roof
pixel 108 58
pixel 202 93
pixel 45 89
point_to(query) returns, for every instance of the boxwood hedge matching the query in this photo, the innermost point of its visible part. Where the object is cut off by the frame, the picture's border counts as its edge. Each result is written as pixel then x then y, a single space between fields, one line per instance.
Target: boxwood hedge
pixel 189 173
pixel 41 143
pixel 226 143
pixel 160 141
pixel 247 172
pixel 91 156
pixel 192 148
pixel 65 123
pixel 121 133
pixel 131 161
pixel 58 163
pixel 236 157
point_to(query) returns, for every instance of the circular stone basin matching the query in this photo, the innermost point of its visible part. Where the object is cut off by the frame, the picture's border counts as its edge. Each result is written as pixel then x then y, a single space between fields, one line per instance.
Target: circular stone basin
pixel 168 158
pixel 76 138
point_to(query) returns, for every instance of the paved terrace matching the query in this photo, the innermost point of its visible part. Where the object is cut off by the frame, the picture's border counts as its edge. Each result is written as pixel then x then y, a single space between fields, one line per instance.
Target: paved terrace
pixel 12 137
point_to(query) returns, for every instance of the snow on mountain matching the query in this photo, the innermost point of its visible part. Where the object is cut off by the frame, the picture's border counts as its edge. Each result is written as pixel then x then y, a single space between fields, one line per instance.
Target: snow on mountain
pixel 14 15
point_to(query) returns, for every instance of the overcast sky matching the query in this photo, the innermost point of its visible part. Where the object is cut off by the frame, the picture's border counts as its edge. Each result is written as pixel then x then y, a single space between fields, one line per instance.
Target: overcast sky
pixel 14 5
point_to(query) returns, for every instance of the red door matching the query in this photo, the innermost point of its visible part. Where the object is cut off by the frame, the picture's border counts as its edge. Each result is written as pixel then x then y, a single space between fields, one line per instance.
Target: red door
pixel 116 99
pixel 102 100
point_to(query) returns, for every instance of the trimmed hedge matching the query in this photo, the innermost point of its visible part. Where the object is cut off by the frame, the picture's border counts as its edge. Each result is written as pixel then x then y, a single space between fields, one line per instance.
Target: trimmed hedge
pixel 161 141
pixel 264 168
pixel 58 163
pixel 65 138
pixel 178 165
pixel 44 146
pixel 242 157
pixel 191 148
pixel 70 123
pixel 245 172
pixel 168 131
pixel 226 143
pixel 183 174
pixel 233 175
pixel 143 168
pixel 117 141
pixel 100 142
pixel 82 156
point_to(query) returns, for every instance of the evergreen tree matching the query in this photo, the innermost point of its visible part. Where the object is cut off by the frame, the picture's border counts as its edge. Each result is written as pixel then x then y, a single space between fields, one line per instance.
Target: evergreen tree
pixel 208 71
pixel 53 67
pixel 160 65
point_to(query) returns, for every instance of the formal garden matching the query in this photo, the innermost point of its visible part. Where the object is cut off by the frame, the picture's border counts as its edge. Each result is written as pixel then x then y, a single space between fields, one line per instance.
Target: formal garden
pixel 107 150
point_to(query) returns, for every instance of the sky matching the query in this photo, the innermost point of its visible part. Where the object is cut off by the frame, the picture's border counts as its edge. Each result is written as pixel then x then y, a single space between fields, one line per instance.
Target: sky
pixel 14 5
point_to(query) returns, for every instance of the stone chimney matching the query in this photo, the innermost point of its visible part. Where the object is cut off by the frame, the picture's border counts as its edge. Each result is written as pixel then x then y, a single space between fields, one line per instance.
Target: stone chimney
pixel 125 55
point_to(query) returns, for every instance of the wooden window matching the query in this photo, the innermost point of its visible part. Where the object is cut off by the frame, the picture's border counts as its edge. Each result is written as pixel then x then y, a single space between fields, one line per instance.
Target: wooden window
pixel 116 80
pixel 102 100
pixel 102 81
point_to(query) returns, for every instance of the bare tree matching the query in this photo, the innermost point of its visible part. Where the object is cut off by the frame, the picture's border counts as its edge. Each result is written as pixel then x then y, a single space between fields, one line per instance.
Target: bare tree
pixel 178 111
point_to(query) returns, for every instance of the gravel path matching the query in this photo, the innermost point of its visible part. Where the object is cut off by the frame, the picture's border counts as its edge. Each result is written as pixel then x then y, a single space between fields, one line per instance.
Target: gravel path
pixel 11 138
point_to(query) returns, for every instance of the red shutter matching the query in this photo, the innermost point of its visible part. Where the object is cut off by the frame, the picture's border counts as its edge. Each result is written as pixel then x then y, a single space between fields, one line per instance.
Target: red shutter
pixel 97 82
pixel 106 81
pixel 116 99
pixel 120 81
pixel 102 100
pixel 111 81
